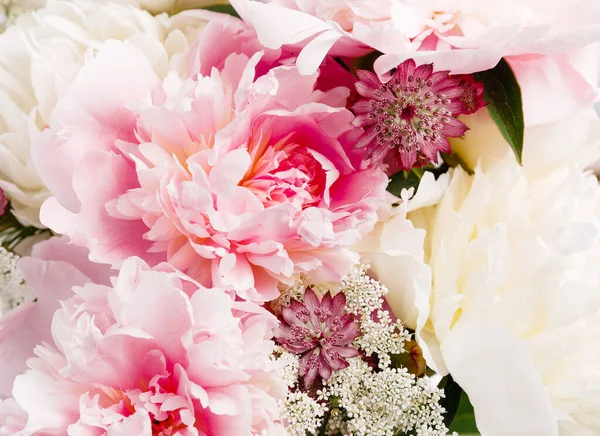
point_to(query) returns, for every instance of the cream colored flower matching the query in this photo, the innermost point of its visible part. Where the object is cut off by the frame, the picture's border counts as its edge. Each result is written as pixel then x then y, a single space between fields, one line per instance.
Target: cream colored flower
pixel 514 309
pixel 394 250
pixel 42 54
pixel 557 146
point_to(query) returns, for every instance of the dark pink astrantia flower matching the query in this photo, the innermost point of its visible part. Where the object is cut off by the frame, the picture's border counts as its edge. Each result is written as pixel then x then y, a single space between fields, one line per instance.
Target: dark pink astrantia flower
pixel 412 115
pixel 321 331
pixel 3 203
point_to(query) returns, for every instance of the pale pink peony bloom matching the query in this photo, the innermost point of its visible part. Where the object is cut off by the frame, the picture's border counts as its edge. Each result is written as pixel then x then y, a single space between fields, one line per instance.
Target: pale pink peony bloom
pixel 458 35
pixel 155 353
pixel 224 35
pixel 240 181
pixel 53 268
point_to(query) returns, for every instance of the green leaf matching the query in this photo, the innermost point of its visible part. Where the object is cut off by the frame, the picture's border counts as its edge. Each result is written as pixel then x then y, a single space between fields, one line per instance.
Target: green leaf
pixel 366 62
pixel 411 179
pixel 225 9
pixel 405 180
pixel 503 94
pixel 464 421
pixel 12 232
pixel 451 400
pixel 454 160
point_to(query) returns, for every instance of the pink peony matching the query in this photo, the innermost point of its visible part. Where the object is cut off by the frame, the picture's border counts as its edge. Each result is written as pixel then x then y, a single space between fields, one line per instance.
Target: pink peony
pixel 224 35
pixel 187 361
pixel 53 268
pixel 458 35
pixel 240 181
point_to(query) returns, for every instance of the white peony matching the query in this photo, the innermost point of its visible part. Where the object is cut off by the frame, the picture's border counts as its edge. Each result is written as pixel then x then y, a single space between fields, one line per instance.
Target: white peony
pixel 40 56
pixel 548 148
pixel 394 250
pixel 514 309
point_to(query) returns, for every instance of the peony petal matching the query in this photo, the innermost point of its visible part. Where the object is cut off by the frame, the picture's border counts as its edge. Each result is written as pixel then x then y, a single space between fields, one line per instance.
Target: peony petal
pixel 276 26
pixel 487 361
pixel 312 55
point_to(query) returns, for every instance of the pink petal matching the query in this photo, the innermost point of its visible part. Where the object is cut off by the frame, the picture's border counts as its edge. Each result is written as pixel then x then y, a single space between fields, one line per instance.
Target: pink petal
pixel 95 118
pixel 311 301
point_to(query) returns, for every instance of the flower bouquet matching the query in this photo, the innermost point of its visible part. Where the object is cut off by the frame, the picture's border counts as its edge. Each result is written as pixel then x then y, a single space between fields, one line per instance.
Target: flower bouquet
pixel 299 217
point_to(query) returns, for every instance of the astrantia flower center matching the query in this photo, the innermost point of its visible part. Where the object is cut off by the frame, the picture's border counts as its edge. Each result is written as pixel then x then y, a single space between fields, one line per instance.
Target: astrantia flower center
pixel 414 113
pixel 409 117
pixel 408 112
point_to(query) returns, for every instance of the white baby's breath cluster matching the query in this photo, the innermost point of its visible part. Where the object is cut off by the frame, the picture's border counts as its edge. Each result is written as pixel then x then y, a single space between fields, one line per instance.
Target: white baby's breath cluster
pixel 382 403
pixel 289 365
pixel 13 290
pixel 364 295
pixel 380 335
pixel 299 410
pixel 302 413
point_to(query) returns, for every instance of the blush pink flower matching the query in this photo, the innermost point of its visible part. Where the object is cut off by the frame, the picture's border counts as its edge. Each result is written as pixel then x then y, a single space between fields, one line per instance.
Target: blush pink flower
pixel 12 418
pixel 224 35
pixel 411 116
pixel 457 35
pixel 241 180
pixel 321 331
pixel 53 268
pixel 154 354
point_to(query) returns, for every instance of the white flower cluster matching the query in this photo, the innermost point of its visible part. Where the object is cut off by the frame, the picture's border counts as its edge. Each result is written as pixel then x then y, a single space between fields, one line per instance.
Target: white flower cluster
pixel 13 290
pixel 302 413
pixel 364 295
pixel 289 365
pixel 299 410
pixel 382 403
pixel 380 335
